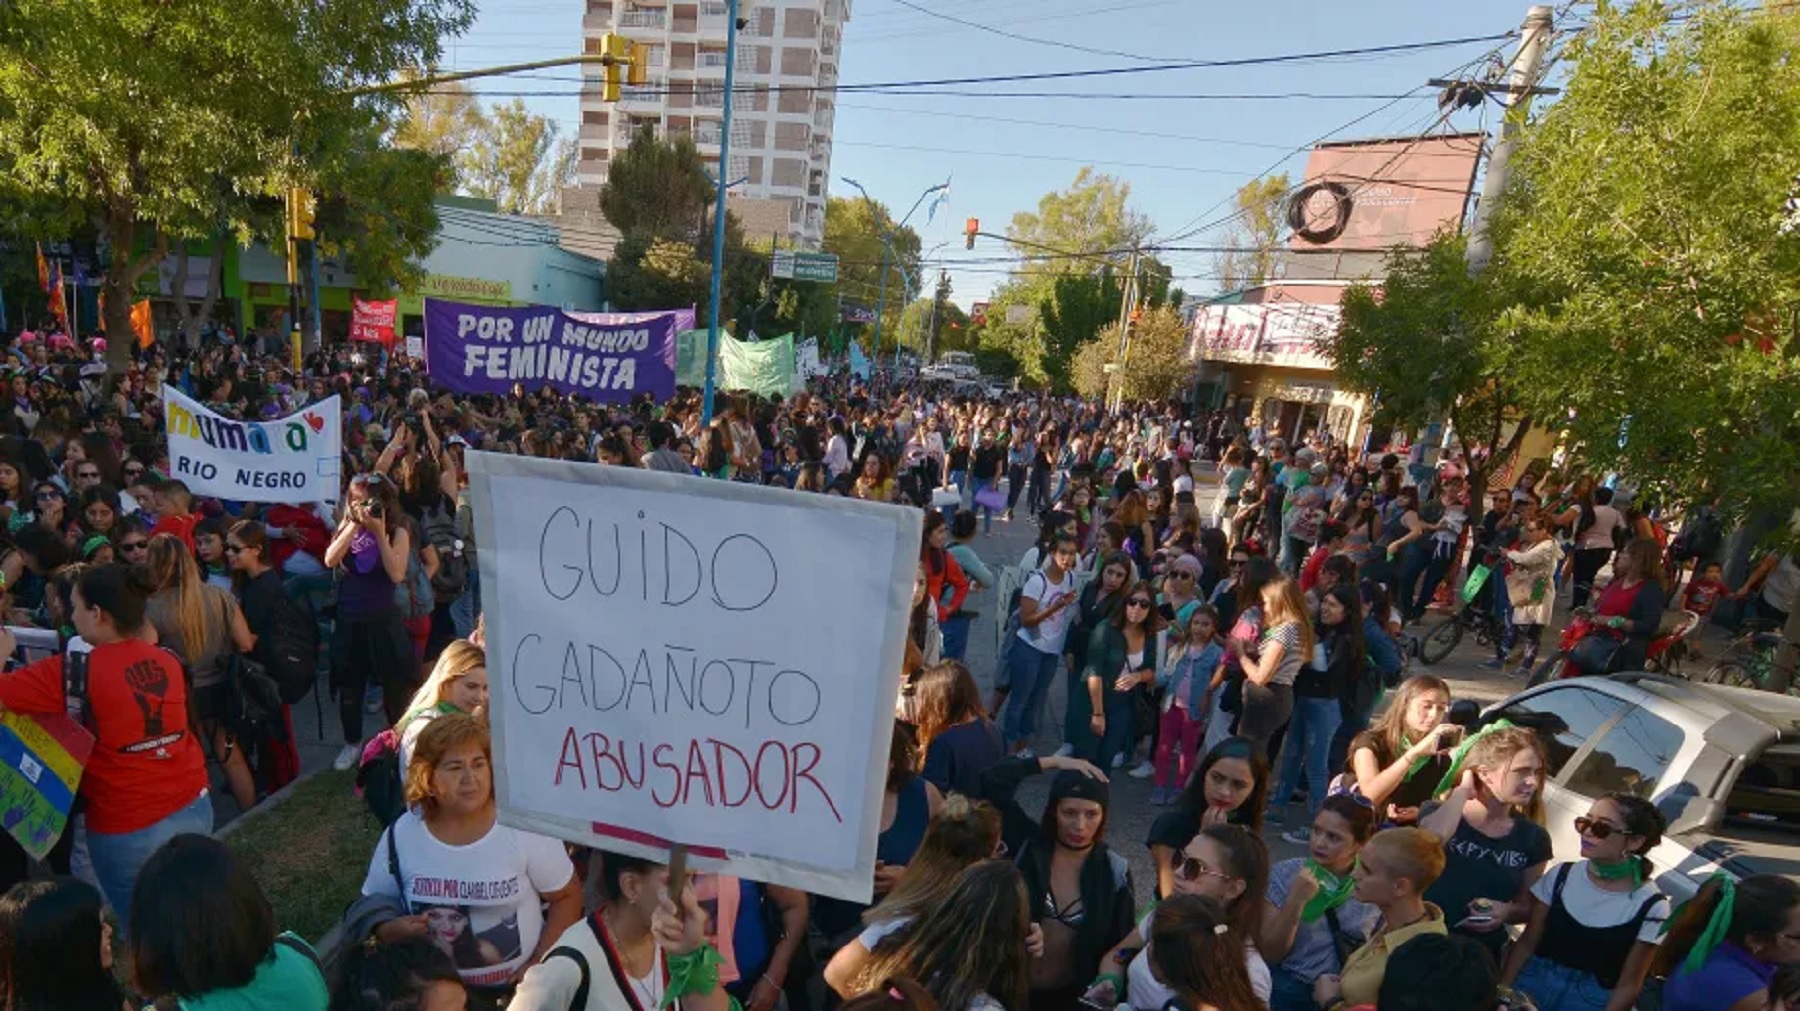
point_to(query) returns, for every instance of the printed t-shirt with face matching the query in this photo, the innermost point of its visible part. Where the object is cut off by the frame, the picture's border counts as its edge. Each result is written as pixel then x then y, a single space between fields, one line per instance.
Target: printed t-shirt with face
pixel 1479 867
pixel 1049 635
pixel 146 765
pixel 481 901
pixel 1144 992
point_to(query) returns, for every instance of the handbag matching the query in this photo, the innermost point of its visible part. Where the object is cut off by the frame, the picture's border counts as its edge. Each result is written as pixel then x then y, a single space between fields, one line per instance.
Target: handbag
pixel 991 498
pixel 1595 654
pixel 947 497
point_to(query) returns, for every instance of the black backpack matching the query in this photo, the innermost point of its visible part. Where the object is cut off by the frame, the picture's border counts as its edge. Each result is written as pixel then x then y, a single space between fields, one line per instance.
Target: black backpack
pixel 289 649
pixel 443 532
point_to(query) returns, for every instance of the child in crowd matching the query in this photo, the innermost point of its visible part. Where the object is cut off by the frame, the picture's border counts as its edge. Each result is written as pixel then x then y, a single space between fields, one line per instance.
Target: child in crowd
pixel 1705 590
pixel 1193 670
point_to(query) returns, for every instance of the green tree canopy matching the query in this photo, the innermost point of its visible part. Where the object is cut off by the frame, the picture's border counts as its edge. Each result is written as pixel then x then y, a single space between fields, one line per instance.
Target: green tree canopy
pixel 516 160
pixel 659 187
pixel 121 116
pixel 1646 215
pixel 1254 243
pixel 853 230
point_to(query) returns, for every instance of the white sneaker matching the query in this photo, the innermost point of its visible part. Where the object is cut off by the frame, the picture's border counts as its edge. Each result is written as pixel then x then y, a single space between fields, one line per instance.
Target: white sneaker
pixel 1066 751
pixel 347 758
pixel 1144 770
pixel 1118 761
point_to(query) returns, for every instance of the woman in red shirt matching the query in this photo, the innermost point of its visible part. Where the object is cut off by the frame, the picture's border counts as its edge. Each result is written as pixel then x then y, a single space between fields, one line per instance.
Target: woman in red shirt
pixel 145 782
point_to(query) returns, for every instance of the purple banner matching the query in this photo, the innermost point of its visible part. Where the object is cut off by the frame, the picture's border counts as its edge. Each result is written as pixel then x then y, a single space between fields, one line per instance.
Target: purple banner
pixel 487 349
pixel 684 318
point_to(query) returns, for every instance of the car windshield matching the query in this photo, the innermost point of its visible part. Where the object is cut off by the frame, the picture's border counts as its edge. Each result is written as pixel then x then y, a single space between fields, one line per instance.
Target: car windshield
pixel 1767 792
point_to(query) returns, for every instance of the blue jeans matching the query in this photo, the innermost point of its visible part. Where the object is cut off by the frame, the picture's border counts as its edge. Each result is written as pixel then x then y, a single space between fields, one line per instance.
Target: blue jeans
pixel 117 858
pixel 1078 730
pixel 1556 987
pixel 1308 741
pixel 1032 671
pixel 1436 568
pixel 960 479
pixel 1289 992
pixel 956 635
pixel 466 608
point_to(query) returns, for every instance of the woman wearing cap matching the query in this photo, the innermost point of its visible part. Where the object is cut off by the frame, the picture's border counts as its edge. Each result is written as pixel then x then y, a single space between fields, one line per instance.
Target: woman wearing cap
pixel 1081 893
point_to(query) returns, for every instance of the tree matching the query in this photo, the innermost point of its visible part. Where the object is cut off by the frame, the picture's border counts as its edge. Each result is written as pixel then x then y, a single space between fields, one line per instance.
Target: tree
pixel 1087 372
pixel 1429 345
pixel 121 115
pixel 1155 366
pixel 1255 241
pixel 516 162
pixel 1646 209
pixel 442 119
pixel 658 187
pixel 853 231
pixel 1092 218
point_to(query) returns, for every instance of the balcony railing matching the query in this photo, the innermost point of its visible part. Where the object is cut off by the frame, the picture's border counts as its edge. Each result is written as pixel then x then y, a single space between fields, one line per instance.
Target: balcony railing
pixel 711 60
pixel 652 90
pixel 707 136
pixel 710 98
pixel 644 19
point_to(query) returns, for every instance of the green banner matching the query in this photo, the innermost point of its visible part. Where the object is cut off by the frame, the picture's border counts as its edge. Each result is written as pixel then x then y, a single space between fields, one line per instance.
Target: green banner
pixel 764 367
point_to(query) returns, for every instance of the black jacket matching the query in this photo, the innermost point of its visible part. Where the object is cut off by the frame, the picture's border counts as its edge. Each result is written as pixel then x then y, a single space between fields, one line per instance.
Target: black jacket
pixel 1109 908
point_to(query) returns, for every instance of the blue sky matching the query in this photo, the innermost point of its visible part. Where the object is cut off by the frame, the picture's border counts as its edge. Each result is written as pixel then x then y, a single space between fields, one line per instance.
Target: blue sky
pixel 1182 157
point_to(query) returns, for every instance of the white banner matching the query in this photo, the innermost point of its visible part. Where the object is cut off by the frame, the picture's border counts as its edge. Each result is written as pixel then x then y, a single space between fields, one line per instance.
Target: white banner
pixel 681 660
pixel 291 459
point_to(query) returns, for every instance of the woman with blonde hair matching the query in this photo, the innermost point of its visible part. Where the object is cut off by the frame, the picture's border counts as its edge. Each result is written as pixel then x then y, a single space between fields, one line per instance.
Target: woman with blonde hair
pixel 1493 827
pixel 1287 642
pixel 970 950
pixel 204 625
pixel 1396 764
pixel 1394 873
pixel 458 683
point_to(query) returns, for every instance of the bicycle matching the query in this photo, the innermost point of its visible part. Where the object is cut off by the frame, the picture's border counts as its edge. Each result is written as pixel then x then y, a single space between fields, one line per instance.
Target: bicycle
pixel 1475 616
pixel 1749 660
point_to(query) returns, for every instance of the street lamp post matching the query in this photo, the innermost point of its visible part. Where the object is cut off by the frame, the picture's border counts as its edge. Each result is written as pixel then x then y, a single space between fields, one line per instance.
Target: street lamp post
pixel 887 247
pixel 718 251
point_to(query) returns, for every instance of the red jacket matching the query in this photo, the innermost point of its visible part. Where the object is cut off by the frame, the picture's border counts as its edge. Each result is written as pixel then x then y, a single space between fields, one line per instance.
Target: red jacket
pixel 937 573
pixel 314 538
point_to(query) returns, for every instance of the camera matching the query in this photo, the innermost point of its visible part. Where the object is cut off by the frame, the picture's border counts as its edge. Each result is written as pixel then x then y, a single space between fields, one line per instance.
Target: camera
pixel 372 507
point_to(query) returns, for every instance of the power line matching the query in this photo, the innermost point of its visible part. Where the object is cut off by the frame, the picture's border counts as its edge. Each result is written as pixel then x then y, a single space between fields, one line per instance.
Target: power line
pixel 1017 37
pixel 1284 96
pixel 917 29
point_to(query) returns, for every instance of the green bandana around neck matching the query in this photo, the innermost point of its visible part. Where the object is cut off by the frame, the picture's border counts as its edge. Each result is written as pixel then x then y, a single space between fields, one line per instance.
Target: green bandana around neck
pixel 1629 868
pixel 1334 891
pixel 1461 753
pixel 1406 745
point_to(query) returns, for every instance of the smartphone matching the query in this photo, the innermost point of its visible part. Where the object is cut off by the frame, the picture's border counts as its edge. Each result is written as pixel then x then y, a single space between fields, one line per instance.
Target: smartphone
pixel 1452 737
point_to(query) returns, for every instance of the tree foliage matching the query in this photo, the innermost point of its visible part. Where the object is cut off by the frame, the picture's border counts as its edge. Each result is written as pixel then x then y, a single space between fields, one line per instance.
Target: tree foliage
pixel 442 119
pixel 1254 243
pixel 516 160
pixel 123 116
pixel 1646 211
pixel 1155 365
pixel 657 187
pixel 853 231
pixel 1428 346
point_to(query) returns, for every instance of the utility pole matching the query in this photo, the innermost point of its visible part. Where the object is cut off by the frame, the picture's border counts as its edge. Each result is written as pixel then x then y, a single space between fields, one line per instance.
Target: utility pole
pixel 937 299
pixel 718 236
pixel 1127 312
pixel 1521 82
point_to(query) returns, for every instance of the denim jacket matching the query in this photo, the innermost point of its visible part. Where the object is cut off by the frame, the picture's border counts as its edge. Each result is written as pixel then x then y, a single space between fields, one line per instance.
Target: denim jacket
pixel 1202 665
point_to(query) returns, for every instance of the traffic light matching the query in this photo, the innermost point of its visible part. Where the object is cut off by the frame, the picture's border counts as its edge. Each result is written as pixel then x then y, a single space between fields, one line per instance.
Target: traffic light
pixel 970 227
pixel 617 50
pixel 639 71
pixel 301 210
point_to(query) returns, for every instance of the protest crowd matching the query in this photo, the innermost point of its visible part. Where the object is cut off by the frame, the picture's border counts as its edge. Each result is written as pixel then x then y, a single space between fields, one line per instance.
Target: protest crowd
pixel 1245 650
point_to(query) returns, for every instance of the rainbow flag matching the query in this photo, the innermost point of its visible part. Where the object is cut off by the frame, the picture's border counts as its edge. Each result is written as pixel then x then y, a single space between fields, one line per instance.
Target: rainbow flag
pixel 41 758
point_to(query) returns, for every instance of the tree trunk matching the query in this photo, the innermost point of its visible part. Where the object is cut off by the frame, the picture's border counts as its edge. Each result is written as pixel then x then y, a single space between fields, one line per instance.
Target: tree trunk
pixel 120 231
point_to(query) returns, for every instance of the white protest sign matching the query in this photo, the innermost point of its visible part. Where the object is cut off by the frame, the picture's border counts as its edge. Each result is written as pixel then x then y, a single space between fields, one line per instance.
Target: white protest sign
pixel 291 459
pixel 682 660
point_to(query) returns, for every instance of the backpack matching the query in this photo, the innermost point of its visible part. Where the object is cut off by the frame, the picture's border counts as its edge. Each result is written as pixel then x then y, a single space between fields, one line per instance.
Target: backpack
pixel 413 595
pixel 573 954
pixel 289 649
pixel 443 532
pixel 379 778
pixel 1701 537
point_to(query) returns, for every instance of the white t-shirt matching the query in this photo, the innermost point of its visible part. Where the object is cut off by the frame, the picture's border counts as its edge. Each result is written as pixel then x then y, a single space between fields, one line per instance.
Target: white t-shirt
pixel 481 900
pixel 1592 906
pixel 1048 635
pixel 1146 993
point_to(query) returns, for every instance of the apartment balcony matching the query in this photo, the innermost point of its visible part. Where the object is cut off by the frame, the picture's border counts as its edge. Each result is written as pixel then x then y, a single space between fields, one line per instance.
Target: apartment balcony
pixel 651 92
pixel 823 117
pixel 712 14
pixel 710 63
pixel 707 134
pixel 657 19
pixel 709 98
pixel 597 22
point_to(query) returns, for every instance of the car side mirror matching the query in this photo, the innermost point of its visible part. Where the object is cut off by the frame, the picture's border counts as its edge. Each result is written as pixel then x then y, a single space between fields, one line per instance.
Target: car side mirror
pixel 1465 713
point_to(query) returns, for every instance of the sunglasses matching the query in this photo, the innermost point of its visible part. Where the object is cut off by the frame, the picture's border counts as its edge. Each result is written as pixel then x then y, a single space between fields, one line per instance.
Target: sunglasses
pixel 87 475
pixel 1137 602
pixel 45 496
pixel 134 545
pixel 1193 868
pixel 1179 574
pixel 232 549
pixel 1238 563
pixel 134 472
pixel 1599 829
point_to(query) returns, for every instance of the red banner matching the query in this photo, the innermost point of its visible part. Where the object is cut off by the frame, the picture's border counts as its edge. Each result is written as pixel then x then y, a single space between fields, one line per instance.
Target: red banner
pixel 373 321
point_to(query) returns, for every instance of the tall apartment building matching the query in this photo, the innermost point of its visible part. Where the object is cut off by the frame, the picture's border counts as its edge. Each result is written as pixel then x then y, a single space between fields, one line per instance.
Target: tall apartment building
pixel 780 141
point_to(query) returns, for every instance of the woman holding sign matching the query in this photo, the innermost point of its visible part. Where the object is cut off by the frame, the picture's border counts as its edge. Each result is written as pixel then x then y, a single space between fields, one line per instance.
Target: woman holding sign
pixel 371 547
